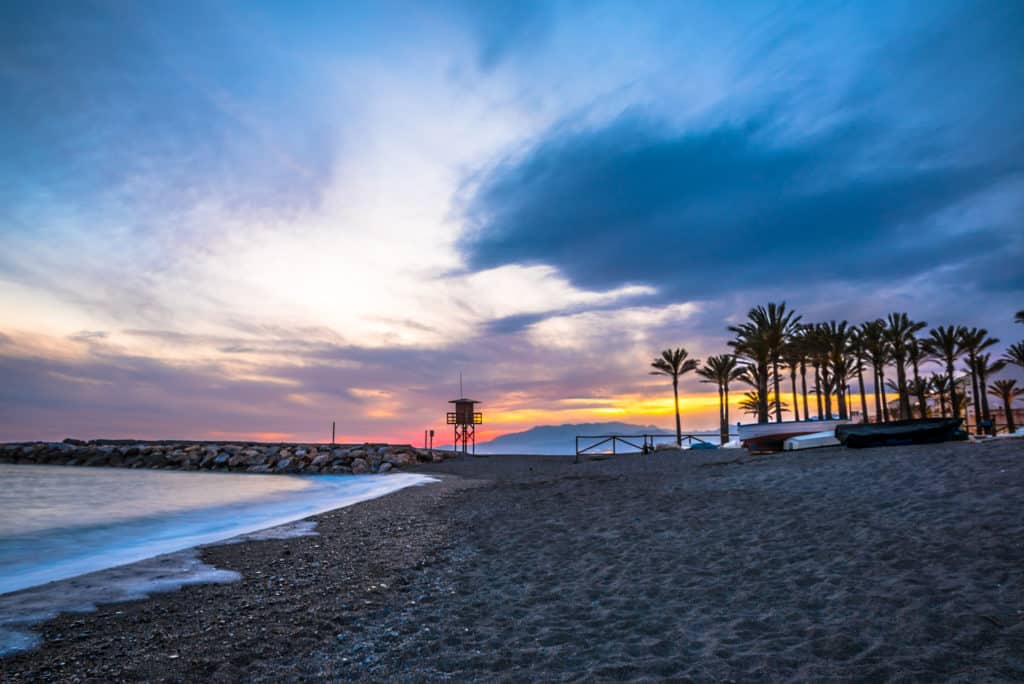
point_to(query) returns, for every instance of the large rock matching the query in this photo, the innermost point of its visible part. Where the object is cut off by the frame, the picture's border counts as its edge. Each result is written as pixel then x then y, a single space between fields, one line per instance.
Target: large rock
pixel 360 466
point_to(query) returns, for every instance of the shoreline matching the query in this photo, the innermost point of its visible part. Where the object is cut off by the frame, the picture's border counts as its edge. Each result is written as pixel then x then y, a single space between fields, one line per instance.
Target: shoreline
pixel 891 563
pixel 238 574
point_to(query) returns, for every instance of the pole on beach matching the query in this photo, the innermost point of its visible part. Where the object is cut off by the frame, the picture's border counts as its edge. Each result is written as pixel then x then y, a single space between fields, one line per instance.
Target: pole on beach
pixel 332 432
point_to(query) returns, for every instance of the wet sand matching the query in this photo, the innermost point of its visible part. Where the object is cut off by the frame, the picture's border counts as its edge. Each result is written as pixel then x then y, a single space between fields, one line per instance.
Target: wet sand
pixel 897 564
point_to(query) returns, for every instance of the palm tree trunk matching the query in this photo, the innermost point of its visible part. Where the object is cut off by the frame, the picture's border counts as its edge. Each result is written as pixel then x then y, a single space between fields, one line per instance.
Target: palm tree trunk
pixel 826 386
pixel 796 407
pixel 901 384
pixel 921 398
pixel 954 400
pixel 977 402
pixel 878 394
pixel 679 425
pixel 885 404
pixel 942 402
pixel 775 379
pixel 863 397
pixel 1007 406
pixel 723 426
pixel 803 386
pixel 762 399
pixel 985 413
pixel 817 388
pixel 726 411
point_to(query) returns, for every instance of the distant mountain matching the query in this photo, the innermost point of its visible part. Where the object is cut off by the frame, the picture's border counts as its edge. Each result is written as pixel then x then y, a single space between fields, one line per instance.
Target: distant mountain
pixel 559 439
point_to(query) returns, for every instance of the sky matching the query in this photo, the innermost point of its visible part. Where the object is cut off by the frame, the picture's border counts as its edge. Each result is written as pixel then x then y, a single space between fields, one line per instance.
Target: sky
pixel 246 220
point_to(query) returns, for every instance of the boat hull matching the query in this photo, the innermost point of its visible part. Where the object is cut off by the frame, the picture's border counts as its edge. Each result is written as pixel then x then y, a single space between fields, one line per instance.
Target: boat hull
pixel 772 436
pixel 900 432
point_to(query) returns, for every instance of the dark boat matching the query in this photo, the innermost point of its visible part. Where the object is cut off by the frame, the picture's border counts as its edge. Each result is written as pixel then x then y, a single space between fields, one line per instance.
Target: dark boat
pixel 922 431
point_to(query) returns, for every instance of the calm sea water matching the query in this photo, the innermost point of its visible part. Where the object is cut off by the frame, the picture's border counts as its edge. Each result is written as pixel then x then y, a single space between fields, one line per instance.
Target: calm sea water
pixel 58 522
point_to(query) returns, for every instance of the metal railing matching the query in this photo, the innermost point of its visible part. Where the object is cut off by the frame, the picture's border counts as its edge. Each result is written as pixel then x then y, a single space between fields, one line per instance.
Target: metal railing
pixel 646 440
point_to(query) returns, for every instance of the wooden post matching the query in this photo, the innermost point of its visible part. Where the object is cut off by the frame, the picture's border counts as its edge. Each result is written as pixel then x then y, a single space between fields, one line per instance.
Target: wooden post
pixel 332 432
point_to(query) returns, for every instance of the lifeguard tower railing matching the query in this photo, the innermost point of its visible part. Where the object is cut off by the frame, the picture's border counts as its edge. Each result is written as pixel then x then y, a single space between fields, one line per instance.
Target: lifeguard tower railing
pixel 610 443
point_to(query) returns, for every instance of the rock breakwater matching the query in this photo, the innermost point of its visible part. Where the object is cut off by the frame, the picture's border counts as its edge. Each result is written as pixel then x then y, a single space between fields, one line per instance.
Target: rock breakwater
pixel 289 459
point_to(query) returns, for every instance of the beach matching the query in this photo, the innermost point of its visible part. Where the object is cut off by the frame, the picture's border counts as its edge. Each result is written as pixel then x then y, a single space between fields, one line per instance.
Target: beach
pixel 890 564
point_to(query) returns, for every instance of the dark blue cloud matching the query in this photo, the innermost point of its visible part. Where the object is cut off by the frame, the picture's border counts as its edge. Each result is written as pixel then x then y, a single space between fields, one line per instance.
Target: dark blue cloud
pixel 891 179
pixel 729 208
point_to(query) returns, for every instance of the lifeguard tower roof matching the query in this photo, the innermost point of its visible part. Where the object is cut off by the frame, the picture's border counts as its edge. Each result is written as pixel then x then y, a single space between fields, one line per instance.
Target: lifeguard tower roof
pixel 464 401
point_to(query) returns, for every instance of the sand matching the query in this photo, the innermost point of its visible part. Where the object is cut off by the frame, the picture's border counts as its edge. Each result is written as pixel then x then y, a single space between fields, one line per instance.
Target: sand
pixel 897 564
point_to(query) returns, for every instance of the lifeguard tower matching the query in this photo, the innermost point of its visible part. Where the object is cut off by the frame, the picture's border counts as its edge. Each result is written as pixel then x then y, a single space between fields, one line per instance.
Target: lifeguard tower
pixel 465 420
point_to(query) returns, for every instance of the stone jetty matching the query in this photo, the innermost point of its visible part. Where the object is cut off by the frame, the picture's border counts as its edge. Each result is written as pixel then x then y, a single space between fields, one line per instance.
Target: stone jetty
pixel 349 459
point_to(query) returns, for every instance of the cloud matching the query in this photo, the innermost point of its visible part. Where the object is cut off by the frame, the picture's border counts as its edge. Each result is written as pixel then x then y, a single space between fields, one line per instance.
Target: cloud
pixel 700 213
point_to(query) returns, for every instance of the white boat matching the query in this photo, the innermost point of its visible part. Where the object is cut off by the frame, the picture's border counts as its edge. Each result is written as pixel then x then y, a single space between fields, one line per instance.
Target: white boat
pixel 771 436
pixel 811 441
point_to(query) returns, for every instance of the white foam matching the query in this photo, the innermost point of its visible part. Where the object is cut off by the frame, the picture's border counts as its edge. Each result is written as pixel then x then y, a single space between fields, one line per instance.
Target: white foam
pixel 101 573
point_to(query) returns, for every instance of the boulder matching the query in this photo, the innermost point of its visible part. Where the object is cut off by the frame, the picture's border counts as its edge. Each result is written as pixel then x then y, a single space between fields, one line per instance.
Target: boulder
pixel 385 467
pixel 154 458
pixel 221 461
pixel 398 458
pixel 321 459
pixel 360 466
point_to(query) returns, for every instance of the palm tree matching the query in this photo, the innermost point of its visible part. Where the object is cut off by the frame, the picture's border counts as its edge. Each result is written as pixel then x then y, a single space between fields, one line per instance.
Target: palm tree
pixel 974 342
pixel 1019 317
pixel 1007 390
pixel 837 343
pixel 918 388
pixel 985 368
pixel 917 353
pixel 872 334
pixel 791 356
pixel 752 344
pixel 944 344
pixel 799 346
pixel 721 370
pixel 940 385
pixel 775 326
pixel 1015 354
pixel 860 356
pixel 673 363
pixel 751 403
pixel 900 335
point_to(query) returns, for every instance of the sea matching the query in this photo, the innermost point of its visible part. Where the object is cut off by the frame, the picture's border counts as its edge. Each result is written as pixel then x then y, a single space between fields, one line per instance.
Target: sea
pixel 59 522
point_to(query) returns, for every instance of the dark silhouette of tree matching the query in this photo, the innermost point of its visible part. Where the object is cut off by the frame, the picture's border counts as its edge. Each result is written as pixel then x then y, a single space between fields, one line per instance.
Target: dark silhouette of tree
pixel 721 370
pixel 944 343
pixel 983 368
pixel 772 326
pixel 974 342
pixel 1007 390
pixel 940 386
pixel 751 403
pixel 836 339
pixel 674 363
pixel 1019 317
pixel 860 358
pixel 1015 354
pixel 899 333
pixel 791 357
pixel 917 353
pixel 873 335
pixel 751 345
